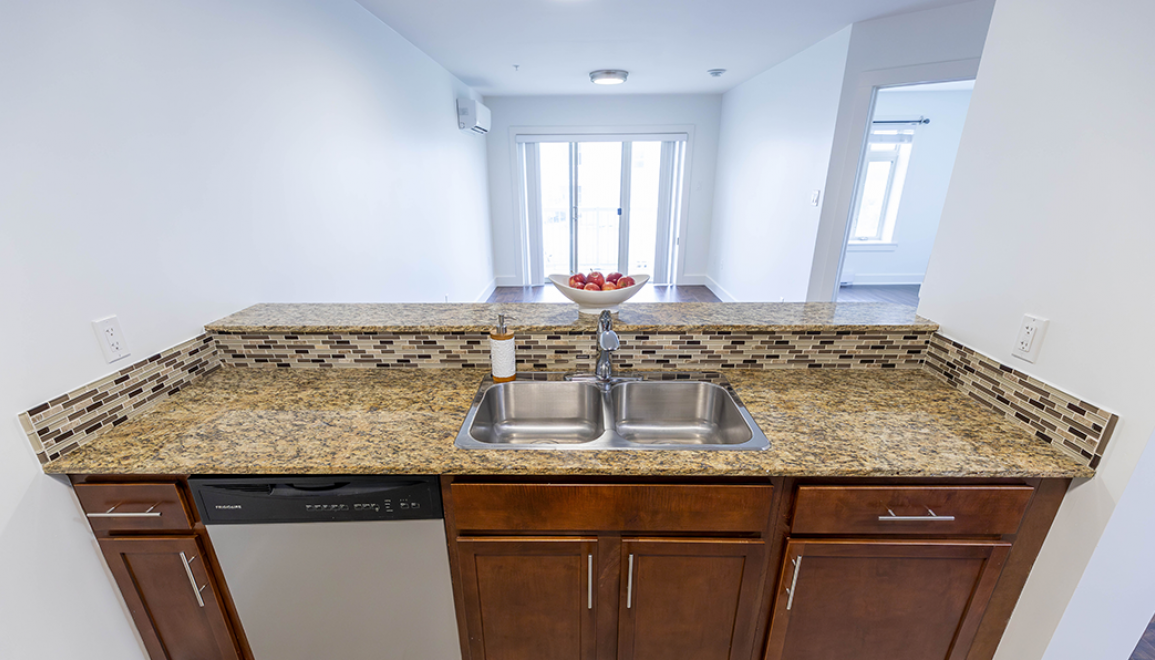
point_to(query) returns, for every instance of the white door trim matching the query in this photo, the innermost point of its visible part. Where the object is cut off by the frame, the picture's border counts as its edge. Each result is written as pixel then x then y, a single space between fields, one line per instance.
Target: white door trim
pixel 849 142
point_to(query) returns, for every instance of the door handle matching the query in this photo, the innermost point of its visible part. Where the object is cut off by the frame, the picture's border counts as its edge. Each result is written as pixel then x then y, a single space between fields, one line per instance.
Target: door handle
pixel 794 582
pixel 192 580
pixel 630 585
pixel 590 582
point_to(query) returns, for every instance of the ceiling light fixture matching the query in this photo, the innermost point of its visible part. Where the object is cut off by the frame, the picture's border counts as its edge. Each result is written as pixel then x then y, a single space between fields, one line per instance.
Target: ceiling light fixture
pixel 608 77
pixel 717 73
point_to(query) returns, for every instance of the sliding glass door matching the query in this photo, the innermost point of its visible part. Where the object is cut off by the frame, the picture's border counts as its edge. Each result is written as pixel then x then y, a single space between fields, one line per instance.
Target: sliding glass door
pixel 602 204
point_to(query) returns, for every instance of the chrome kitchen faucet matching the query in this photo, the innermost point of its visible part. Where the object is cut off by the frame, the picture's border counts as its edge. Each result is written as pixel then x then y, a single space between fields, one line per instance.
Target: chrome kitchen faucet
pixel 608 342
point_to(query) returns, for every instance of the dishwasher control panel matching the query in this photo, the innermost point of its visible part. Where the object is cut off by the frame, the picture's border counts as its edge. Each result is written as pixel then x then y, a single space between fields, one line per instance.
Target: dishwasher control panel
pixel 257 500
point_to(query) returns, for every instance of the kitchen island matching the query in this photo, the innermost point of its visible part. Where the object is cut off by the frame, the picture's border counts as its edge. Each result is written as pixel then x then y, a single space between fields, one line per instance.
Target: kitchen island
pixel 917 503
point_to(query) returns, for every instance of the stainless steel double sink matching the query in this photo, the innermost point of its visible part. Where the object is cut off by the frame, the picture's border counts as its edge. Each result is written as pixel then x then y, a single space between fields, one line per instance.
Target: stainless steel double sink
pixel 679 411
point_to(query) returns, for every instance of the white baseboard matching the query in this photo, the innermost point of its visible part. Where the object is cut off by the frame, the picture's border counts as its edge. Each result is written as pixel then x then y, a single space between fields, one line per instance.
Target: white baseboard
pixel 879 279
pixel 507 280
pixel 488 291
pixel 717 289
pixel 692 280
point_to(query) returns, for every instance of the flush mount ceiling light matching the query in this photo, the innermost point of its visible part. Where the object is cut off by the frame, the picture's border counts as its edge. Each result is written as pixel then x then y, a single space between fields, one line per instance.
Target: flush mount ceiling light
pixel 717 73
pixel 608 77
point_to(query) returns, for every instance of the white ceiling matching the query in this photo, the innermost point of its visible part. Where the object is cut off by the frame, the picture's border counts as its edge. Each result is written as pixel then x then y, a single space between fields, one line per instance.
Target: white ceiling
pixel 666 45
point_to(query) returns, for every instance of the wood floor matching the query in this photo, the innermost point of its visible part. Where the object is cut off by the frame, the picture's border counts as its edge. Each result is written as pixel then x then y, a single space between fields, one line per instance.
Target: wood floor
pixel 1146 648
pixel 649 293
pixel 902 294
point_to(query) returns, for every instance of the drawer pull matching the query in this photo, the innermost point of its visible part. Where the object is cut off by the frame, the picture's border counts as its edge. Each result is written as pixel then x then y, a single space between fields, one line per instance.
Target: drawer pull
pixel 933 517
pixel 794 582
pixel 111 513
pixel 192 580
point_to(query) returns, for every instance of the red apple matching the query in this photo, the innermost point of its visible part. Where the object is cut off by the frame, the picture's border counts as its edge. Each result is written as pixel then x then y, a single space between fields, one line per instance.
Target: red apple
pixel 626 281
pixel 609 286
pixel 592 287
pixel 613 277
pixel 596 278
pixel 577 281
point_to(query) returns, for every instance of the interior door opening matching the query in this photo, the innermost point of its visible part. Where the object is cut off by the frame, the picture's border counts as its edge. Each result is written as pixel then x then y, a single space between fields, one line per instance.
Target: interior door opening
pixel 903 175
pixel 607 204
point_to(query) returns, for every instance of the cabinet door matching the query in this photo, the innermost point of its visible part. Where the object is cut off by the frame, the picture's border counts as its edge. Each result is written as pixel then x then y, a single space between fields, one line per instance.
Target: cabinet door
pixel 172 597
pixel 529 598
pixel 689 599
pixel 882 599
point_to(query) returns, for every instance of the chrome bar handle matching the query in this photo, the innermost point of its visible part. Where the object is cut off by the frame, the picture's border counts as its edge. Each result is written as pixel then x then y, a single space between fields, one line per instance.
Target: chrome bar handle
pixel 192 580
pixel 590 582
pixel 148 513
pixel 630 585
pixel 794 582
pixel 933 517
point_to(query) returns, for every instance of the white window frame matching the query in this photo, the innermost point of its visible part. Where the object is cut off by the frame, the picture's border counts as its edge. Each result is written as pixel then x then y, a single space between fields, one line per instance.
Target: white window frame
pixel 883 237
pixel 671 258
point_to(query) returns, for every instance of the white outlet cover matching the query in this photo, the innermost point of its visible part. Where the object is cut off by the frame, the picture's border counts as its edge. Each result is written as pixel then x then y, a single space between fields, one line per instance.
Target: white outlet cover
pixel 111 339
pixel 1030 338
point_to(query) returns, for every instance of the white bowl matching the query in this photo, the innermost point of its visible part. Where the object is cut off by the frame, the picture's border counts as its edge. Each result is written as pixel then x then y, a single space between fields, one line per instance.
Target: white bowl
pixel 594 302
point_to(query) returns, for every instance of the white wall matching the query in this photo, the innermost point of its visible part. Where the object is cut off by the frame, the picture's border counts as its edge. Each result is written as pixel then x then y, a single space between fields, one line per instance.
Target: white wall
pixel 701 111
pixel 777 130
pixel 924 46
pixel 1046 214
pixel 172 162
pixel 931 161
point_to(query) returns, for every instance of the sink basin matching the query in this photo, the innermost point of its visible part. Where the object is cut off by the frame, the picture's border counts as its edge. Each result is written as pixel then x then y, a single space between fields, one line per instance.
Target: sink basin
pixel 661 411
pixel 678 413
pixel 523 413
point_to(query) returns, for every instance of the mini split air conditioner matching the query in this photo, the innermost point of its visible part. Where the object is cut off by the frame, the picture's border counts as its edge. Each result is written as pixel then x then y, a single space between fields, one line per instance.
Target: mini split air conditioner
pixel 472 116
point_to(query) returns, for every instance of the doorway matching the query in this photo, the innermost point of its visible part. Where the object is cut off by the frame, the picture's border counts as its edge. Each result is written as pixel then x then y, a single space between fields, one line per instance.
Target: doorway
pixel 902 180
pixel 607 203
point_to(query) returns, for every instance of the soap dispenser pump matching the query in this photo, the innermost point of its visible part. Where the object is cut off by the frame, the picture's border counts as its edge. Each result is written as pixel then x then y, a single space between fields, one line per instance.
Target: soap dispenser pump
pixel 502 352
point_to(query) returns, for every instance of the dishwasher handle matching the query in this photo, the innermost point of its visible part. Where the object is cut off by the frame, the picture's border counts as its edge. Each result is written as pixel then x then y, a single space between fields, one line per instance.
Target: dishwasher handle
pixel 309 489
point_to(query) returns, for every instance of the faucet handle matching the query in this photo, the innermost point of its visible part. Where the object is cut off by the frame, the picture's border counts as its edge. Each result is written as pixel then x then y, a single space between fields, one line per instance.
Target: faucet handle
pixel 608 341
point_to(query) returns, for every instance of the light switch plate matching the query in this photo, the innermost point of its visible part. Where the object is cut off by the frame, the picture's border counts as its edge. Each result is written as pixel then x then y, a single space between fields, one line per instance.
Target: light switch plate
pixel 111 338
pixel 1030 338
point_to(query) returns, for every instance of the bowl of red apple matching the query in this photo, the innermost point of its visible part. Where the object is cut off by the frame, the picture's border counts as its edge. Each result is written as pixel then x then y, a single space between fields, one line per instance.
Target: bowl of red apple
pixel 595 292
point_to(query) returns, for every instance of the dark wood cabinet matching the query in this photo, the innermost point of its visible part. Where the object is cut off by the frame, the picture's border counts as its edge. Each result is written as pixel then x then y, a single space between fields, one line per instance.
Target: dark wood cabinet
pixel 883 599
pixel 529 598
pixel 609 571
pixel 169 589
pixel 689 599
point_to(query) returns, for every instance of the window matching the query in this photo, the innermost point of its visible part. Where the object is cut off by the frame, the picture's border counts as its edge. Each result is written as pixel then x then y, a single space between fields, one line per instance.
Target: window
pixel 602 202
pixel 881 180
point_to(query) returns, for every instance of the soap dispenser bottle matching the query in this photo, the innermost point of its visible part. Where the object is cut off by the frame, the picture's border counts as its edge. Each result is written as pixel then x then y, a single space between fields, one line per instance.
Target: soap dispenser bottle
pixel 502 356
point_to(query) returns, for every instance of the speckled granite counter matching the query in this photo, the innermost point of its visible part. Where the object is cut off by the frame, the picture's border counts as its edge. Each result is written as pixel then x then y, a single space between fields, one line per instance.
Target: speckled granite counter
pixel 820 423
pixel 545 317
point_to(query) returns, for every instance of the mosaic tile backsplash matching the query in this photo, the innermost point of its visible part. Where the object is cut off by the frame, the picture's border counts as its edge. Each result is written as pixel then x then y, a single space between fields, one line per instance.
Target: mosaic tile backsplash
pixel 794 349
pixel 1080 429
pixel 1074 426
pixel 71 420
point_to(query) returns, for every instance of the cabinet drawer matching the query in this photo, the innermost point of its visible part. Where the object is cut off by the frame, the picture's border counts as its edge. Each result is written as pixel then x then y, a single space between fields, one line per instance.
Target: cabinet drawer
pixel 953 510
pixel 133 507
pixel 611 507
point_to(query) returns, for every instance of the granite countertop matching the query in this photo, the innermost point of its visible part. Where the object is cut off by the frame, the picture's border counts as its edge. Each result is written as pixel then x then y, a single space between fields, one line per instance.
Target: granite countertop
pixel 561 317
pixel 297 421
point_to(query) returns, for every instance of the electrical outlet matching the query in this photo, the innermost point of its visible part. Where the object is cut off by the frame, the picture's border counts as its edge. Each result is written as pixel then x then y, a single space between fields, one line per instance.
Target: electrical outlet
pixel 815 195
pixel 1030 338
pixel 111 338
